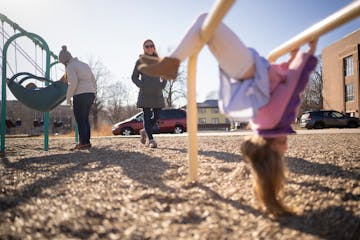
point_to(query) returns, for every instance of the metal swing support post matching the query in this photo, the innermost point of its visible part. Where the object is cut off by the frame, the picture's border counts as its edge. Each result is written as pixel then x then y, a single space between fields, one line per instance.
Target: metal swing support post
pixel 209 26
pixel 333 21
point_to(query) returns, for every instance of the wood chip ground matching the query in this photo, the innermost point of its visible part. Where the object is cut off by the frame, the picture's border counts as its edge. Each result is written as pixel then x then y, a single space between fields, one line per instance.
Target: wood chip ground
pixel 120 189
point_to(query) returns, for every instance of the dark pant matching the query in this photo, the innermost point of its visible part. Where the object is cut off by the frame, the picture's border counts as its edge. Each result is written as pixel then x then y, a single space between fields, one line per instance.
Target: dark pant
pixel 81 107
pixel 151 117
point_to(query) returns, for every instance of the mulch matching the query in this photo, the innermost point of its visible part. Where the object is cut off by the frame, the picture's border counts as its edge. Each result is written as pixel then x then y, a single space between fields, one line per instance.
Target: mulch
pixel 120 189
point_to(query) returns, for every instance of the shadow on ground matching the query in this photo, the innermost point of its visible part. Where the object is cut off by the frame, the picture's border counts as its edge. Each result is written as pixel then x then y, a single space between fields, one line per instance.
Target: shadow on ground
pixel 334 222
pixel 134 165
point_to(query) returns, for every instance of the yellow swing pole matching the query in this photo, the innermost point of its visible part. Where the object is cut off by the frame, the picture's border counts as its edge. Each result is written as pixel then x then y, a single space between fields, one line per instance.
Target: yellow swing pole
pixel 335 20
pixel 209 26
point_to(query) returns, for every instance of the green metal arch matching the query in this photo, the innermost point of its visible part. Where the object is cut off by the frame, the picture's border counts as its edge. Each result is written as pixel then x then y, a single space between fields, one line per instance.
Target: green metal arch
pixel 36 38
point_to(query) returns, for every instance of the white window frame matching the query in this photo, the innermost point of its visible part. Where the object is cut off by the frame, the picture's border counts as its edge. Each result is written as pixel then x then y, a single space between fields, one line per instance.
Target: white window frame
pixel 214 110
pixel 202 110
pixel 349 92
pixel 202 121
pixel 214 120
pixel 348 66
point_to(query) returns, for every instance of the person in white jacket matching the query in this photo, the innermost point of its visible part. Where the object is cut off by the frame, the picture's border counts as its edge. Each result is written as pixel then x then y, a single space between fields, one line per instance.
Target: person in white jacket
pixel 80 94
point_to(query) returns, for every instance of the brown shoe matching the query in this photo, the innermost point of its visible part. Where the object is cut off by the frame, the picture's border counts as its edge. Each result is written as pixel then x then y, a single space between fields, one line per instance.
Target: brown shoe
pixel 81 147
pixel 167 68
pixel 85 146
pixel 149 59
pixel 143 136
pixel 152 143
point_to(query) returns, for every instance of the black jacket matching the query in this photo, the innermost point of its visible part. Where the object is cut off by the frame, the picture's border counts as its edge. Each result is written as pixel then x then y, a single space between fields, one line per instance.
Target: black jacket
pixel 150 89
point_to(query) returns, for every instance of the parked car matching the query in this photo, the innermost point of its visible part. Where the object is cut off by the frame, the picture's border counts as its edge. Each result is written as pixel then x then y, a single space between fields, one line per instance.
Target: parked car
pixel 327 119
pixel 171 121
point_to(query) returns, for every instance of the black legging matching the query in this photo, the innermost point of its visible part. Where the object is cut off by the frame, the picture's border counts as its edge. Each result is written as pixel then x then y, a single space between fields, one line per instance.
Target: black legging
pixel 81 107
pixel 151 116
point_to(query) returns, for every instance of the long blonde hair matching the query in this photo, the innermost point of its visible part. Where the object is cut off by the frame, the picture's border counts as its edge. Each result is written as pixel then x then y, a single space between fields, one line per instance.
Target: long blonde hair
pixel 268 169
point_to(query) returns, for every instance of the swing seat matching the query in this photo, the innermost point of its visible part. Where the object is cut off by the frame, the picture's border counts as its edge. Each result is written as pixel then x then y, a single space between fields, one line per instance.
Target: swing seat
pixel 40 99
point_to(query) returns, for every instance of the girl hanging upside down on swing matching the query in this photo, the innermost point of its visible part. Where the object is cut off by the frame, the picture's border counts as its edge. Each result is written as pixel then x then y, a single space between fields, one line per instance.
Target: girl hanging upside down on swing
pixel 268 95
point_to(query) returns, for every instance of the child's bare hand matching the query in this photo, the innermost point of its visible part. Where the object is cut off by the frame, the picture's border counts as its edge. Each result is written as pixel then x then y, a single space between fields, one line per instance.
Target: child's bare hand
pixel 312 46
pixel 293 54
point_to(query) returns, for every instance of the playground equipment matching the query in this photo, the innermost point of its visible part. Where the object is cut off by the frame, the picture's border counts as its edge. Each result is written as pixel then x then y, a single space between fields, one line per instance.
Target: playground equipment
pixel 40 99
pixel 43 99
pixel 211 22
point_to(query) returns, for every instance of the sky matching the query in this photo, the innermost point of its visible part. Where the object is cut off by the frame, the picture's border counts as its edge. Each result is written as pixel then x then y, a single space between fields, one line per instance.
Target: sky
pixel 112 31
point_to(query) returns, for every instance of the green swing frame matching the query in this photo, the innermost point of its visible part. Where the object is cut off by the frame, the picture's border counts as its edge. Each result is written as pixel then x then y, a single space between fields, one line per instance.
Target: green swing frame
pixel 40 99
pixel 42 43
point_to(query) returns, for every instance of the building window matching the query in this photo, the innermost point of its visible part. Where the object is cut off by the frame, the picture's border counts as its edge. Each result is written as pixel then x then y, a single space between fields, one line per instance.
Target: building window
pixel 348 66
pixel 349 92
pixel 202 110
pixel 215 110
pixel 202 120
pixel 214 120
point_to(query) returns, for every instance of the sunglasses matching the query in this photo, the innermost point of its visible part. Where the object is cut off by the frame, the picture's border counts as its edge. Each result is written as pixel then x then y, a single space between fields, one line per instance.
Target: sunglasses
pixel 149 46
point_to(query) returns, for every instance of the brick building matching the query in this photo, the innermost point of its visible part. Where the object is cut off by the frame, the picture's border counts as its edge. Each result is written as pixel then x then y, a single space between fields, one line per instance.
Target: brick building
pixel 341 82
pixel 31 120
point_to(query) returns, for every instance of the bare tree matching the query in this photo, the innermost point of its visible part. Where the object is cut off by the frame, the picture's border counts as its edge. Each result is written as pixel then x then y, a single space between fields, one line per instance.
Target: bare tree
pixel 129 110
pixel 114 106
pixel 312 98
pixel 175 90
pixel 117 101
pixel 102 76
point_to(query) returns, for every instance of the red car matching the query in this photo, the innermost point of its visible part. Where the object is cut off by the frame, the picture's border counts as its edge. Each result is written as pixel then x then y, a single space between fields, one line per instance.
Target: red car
pixel 171 121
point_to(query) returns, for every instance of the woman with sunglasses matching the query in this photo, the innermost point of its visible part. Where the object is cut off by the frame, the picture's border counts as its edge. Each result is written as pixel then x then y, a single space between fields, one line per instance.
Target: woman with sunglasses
pixel 150 97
